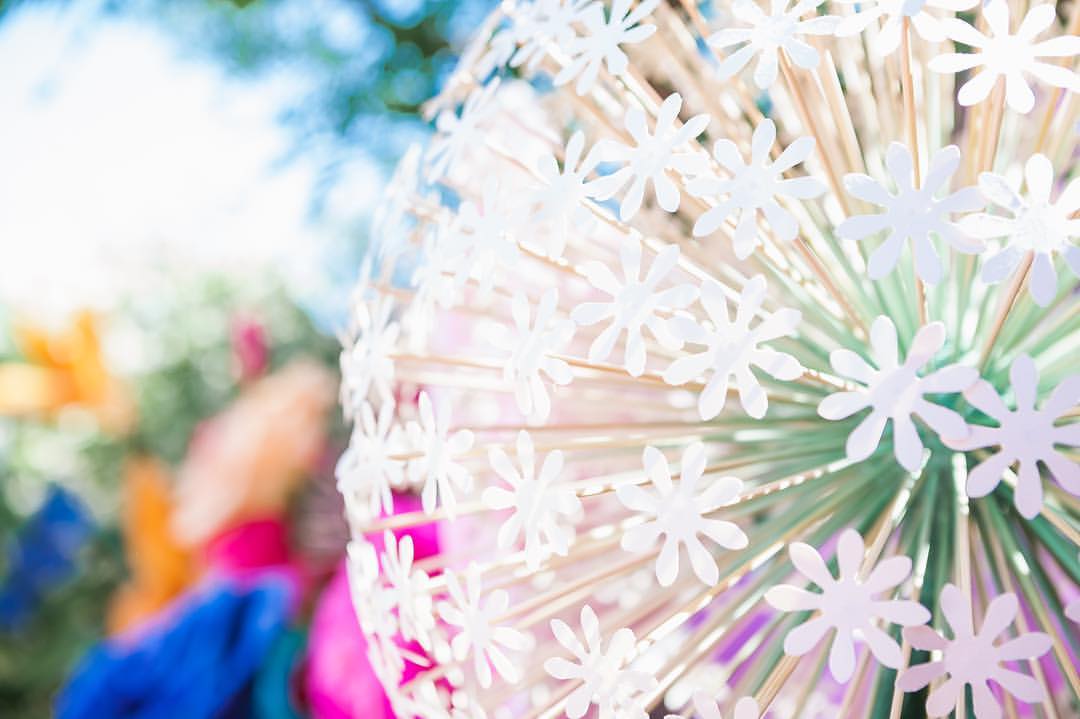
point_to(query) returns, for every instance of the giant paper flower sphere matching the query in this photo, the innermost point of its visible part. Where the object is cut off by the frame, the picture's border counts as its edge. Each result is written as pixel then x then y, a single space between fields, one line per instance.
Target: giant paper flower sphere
pixel 766 454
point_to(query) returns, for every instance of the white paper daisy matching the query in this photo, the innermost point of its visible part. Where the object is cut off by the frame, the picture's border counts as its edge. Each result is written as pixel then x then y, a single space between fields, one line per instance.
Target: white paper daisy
pixel 557 205
pixel 1003 54
pixel 847 604
pixel 374 602
pixel 434 288
pixel 734 349
pixel 605 33
pixel 635 304
pixel 894 391
pixel 456 133
pixel 367 364
pixel 926 24
pixel 653 155
pixel 1024 436
pixel 754 187
pixel 437 467
pixel 913 213
pixel 368 469
pixel 410 588
pixel 605 680
pixel 542 24
pixel 972 658
pixel 483 240
pixel 677 514
pixel 768 35
pixel 1032 224
pixel 543 510
pixel 532 343
pixel 476 615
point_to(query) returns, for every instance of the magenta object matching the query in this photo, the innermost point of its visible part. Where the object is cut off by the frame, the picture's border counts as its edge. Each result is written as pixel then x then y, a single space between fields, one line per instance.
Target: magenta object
pixel 340 683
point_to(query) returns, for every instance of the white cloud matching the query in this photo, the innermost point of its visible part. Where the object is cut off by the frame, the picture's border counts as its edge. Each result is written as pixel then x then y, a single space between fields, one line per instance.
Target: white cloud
pixel 123 160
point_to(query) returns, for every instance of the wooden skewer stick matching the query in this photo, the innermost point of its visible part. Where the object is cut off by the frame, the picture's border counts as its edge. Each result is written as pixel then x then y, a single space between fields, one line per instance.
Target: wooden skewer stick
pixel 907 85
pixel 1006 305
pixel 1057 93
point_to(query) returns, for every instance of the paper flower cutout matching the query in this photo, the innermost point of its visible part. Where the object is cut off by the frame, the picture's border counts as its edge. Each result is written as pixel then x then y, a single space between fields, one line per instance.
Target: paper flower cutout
pixel 484 57
pixel 484 240
pixel 1036 225
pixel 768 34
pixel 971 658
pixel 434 287
pixel 480 634
pixel 531 345
pixel 373 601
pixel 847 604
pixel 541 25
pixel 436 465
pixel 634 304
pixel 926 24
pixel 558 204
pixel 375 605
pixel 368 469
pixel 410 588
pixel 754 187
pixel 895 391
pixel 912 213
pixel 605 679
pixel 368 363
pixel 678 509
pixel 539 503
pixel 602 43
pixel 708 708
pixel 1002 54
pixel 1026 436
pixel 456 133
pixel 733 349
pixel 651 157
pixel 391 219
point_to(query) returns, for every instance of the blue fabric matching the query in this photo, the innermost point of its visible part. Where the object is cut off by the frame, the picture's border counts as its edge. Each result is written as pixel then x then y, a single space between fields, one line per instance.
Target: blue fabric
pixel 274 689
pixel 197 665
pixel 42 555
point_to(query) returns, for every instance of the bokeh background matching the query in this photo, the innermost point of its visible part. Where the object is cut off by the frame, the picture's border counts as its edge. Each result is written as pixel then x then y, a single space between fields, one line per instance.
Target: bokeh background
pixel 186 192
